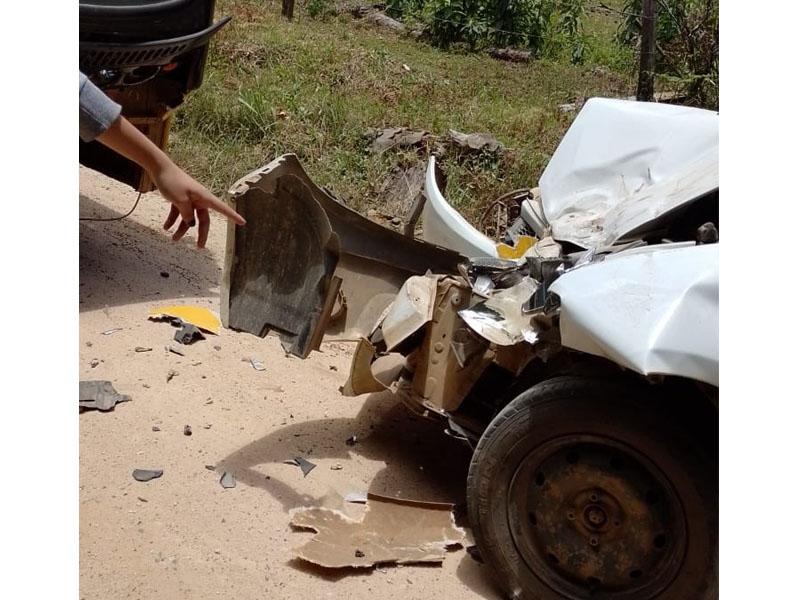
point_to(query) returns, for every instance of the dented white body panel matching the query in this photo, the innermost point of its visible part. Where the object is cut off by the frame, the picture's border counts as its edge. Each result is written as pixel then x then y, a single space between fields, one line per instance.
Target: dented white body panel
pixel 623 164
pixel 653 309
pixel 444 226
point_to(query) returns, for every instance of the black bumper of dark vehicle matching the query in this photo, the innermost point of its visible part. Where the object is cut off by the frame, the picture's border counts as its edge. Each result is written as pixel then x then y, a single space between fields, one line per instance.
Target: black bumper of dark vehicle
pixel 146 55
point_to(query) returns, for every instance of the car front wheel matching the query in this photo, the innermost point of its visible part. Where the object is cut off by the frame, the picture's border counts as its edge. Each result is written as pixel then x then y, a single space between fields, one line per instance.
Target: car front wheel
pixel 589 488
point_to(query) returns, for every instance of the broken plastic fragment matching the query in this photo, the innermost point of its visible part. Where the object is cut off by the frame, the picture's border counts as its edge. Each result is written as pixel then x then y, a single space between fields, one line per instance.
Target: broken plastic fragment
pixel 147 474
pixel 99 395
pixel 175 350
pixel 356 497
pixel 391 531
pixel 195 315
pixel 524 243
pixel 306 466
pixel 188 334
pixel 227 480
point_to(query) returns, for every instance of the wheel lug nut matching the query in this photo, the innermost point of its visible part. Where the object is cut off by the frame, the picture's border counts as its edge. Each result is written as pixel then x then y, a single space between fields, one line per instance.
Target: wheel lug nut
pixel 593 541
pixel 571 516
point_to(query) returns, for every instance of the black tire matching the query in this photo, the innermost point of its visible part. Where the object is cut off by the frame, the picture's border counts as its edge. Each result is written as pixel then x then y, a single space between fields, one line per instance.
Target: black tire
pixel 644 526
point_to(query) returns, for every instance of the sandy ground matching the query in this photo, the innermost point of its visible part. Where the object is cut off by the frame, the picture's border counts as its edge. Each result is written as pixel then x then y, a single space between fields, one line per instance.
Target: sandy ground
pixel 183 535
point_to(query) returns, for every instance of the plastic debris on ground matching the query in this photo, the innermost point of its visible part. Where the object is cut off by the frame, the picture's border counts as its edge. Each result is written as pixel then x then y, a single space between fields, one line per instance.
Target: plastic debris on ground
pixel 188 334
pixel 391 530
pixel 306 466
pixel 257 364
pixel 99 395
pixel 147 474
pixel 227 480
pixel 198 316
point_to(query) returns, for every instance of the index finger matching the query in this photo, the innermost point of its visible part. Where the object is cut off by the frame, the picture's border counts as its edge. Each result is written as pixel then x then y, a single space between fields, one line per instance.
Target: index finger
pixel 221 207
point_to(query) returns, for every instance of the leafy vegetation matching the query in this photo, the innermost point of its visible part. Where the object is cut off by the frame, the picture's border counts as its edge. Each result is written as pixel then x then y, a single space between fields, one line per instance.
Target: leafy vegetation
pixel 312 87
pixel 546 27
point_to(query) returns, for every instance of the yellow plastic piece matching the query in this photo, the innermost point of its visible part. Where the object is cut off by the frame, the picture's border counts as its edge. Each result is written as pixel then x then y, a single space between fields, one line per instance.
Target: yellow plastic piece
pixel 196 315
pixel 524 243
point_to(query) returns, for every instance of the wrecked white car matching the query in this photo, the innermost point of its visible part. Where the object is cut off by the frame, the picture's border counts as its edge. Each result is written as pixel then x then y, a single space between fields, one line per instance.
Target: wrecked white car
pixel 582 368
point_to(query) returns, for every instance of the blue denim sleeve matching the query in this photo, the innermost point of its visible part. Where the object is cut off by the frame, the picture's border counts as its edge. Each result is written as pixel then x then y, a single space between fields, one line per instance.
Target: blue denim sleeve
pixel 97 111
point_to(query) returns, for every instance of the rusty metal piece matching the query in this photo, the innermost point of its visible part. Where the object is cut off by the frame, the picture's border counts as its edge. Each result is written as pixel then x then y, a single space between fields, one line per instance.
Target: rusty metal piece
pixel 440 380
pixel 502 212
pixel 372 373
pixel 590 514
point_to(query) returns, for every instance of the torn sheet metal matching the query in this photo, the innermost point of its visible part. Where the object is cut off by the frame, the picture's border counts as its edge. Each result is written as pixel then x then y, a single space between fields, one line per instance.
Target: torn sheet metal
pixel 306 265
pixel 99 395
pixel 653 309
pixel 391 531
pixel 449 361
pixel 443 225
pixel 500 319
pixel 410 310
pixel 198 316
pixel 623 164
pixel 371 373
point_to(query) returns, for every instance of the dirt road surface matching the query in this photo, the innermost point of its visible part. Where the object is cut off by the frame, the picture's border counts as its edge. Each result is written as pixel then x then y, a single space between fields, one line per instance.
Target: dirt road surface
pixel 183 535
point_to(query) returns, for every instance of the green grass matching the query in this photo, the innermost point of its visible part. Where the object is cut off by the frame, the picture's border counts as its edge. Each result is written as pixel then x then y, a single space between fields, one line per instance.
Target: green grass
pixel 313 87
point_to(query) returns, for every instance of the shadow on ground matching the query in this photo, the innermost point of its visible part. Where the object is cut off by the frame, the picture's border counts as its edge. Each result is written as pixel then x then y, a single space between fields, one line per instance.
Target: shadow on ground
pixel 121 262
pixel 418 456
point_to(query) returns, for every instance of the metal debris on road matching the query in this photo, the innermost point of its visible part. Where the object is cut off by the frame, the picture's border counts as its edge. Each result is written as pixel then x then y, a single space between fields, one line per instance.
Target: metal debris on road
pixel 172 373
pixel 175 350
pixel 156 428
pixel 227 480
pixel 147 474
pixel 110 331
pixel 211 467
pixel 257 364
pixel 94 363
pixel 99 395
pixel 336 467
pixel 142 349
pixel 187 430
pixel 391 531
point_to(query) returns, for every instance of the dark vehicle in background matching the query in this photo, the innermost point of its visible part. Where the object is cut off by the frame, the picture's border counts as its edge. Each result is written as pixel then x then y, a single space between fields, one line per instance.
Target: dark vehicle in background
pixel 146 55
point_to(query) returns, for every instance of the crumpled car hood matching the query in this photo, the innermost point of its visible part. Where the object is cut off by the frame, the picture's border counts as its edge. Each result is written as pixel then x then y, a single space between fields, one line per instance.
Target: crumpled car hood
pixel 623 164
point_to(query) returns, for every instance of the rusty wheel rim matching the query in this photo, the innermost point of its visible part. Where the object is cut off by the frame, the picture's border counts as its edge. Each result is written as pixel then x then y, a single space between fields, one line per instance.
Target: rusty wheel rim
pixel 594 518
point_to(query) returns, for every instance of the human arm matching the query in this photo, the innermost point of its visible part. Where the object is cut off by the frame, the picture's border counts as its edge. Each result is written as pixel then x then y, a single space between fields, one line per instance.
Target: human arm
pixel 100 119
